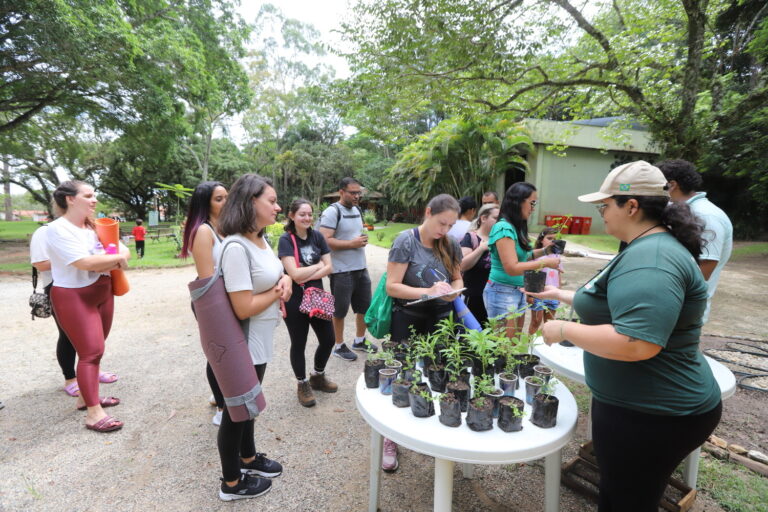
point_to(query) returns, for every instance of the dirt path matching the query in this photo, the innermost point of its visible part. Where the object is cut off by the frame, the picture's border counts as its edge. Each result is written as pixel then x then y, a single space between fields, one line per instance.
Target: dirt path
pixel 166 456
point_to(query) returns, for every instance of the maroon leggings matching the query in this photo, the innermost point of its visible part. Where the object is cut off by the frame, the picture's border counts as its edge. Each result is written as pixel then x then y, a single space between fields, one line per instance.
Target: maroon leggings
pixel 85 314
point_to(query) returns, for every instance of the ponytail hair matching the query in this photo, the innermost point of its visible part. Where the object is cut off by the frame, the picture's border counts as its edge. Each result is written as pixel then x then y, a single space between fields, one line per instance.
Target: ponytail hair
pixel 676 217
pixel 290 226
pixel 66 189
pixel 444 247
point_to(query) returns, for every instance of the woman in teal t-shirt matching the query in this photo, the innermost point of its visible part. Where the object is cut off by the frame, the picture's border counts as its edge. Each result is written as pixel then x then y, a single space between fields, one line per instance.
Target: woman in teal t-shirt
pixel 511 253
pixel 654 398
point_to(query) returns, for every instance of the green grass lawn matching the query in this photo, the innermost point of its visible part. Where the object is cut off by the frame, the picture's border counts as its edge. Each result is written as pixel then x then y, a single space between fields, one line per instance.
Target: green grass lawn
pixel 733 487
pixel 384 236
pixel 602 243
pixel 757 249
pixel 18 229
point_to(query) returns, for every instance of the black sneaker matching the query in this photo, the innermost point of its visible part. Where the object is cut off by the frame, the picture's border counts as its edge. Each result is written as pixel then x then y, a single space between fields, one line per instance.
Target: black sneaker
pixel 261 466
pixel 344 353
pixel 364 346
pixel 247 487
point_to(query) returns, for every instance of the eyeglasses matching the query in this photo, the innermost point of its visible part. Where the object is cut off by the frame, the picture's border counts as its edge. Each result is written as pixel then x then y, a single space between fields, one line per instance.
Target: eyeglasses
pixel 534 203
pixel 601 208
pixel 355 193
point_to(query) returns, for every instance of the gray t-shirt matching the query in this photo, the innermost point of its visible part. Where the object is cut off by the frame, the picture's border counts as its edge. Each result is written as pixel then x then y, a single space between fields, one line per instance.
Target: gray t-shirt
pixel 349 226
pixel 424 267
pixel 267 271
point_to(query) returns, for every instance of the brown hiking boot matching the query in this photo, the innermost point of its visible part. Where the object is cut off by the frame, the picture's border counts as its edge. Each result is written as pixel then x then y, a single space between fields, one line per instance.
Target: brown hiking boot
pixel 320 383
pixel 306 398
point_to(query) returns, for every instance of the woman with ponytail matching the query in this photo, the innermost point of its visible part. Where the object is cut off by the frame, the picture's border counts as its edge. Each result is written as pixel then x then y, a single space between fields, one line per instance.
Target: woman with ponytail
pixel 654 396
pixel 81 294
pixel 423 261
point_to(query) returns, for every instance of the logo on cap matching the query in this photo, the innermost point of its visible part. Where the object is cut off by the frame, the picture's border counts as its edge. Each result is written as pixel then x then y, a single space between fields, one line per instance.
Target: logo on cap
pixel 624 187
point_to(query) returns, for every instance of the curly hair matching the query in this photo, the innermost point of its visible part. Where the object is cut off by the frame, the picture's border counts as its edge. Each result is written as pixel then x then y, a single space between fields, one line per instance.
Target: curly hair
pixel 683 172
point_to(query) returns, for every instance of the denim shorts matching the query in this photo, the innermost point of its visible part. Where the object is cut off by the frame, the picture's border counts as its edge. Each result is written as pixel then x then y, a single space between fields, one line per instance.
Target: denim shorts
pixel 542 304
pixel 503 299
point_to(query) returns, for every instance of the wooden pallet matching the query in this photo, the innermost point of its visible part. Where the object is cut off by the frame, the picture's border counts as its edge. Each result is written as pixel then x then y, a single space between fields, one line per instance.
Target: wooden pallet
pixel 582 475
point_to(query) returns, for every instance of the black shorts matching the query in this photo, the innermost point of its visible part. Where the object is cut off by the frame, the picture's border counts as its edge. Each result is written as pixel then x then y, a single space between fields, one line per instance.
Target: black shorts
pixel 351 288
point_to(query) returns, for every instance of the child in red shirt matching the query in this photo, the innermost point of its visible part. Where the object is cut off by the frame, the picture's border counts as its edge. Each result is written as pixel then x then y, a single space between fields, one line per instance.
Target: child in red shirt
pixel 139 232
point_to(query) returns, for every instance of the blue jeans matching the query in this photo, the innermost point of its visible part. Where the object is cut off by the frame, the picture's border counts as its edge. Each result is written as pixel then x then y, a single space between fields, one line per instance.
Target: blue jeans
pixel 503 299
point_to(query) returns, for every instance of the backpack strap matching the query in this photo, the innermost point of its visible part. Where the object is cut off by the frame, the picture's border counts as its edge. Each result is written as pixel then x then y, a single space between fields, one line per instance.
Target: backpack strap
pixel 338 214
pixel 475 239
pixel 196 294
pixel 34 279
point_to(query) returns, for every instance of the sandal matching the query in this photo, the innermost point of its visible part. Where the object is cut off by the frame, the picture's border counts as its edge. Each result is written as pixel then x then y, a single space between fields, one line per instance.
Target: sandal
pixel 107 377
pixel 104 401
pixel 105 424
pixel 72 389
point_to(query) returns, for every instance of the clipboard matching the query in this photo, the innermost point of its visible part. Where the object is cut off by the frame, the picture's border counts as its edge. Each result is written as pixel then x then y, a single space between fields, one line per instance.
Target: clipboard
pixel 433 297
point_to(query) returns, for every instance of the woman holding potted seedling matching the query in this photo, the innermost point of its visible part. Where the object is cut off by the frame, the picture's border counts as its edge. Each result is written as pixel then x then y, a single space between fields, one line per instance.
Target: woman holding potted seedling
pixel 511 253
pixel 654 396
pixel 423 262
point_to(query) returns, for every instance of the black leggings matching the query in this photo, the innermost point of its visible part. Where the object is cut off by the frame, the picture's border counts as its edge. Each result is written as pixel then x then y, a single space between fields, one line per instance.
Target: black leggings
pixel 298 329
pixel 637 453
pixel 65 352
pixel 476 306
pixel 235 439
pixel 400 326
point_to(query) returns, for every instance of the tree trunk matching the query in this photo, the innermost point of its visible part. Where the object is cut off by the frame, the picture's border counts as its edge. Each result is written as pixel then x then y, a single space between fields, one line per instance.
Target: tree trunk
pixel 7 191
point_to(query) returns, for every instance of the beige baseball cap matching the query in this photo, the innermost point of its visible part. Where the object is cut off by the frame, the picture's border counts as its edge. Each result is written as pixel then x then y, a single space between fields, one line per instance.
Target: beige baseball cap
pixel 633 179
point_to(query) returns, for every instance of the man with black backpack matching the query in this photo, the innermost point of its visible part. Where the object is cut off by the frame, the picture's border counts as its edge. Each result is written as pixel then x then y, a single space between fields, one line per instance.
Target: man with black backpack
pixel 342 225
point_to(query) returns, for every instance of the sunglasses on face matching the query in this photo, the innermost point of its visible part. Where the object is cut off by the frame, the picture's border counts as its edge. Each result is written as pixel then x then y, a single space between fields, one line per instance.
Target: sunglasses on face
pixel 601 208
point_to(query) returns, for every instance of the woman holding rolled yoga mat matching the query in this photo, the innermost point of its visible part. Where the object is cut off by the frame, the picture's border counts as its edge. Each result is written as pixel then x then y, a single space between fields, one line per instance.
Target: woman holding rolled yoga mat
pixel 203 241
pixel 654 398
pixel 511 253
pixel 256 284
pixel 423 261
pixel 81 294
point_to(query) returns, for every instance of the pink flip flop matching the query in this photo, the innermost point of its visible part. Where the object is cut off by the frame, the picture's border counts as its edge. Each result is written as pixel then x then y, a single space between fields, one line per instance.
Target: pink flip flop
pixel 72 389
pixel 107 377
pixel 105 424
pixel 105 401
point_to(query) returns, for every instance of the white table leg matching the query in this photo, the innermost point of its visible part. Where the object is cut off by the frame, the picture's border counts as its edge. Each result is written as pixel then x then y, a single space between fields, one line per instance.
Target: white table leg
pixel 552 463
pixel 691 468
pixel 443 485
pixel 468 470
pixel 377 443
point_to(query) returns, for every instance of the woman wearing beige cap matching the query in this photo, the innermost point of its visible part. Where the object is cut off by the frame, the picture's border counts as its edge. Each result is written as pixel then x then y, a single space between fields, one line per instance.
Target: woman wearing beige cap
pixel 654 396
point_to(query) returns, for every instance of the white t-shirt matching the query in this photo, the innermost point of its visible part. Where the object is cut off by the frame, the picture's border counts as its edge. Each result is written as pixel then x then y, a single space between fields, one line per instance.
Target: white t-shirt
pixel 718 235
pixel 67 243
pixel 459 229
pixel 38 252
pixel 266 272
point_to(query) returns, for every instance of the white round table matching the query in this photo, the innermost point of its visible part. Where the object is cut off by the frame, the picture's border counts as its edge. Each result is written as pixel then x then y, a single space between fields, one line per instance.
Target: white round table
pixel 569 362
pixel 450 445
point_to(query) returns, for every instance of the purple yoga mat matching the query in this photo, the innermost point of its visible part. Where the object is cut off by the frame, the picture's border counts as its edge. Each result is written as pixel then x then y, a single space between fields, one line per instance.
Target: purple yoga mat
pixel 226 349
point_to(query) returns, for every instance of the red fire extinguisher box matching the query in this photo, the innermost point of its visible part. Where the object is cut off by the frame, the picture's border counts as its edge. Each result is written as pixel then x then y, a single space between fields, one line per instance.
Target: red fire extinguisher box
pixel 586 225
pixel 576 226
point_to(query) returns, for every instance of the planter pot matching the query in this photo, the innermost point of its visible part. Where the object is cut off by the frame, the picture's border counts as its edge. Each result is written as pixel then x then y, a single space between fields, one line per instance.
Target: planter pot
pixel 508 420
pixel 527 362
pixel 400 356
pixel 371 373
pixel 370 228
pixel 389 346
pixel 544 412
pixel 395 365
pixel 450 411
pixel 494 397
pixel 499 364
pixel 400 393
pixel 543 372
pixel 508 383
pixel 460 390
pixel 534 280
pixel 478 370
pixel 420 406
pixel 438 378
pixel 480 417
pixel 558 247
pixel 532 386
pixel 407 374
pixel 386 377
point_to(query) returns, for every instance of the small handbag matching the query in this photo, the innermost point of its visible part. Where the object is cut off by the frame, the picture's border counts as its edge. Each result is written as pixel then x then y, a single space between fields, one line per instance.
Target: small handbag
pixel 39 302
pixel 315 302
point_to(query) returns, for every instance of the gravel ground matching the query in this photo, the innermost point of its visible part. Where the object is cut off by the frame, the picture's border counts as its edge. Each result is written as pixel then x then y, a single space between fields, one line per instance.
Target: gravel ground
pixel 165 456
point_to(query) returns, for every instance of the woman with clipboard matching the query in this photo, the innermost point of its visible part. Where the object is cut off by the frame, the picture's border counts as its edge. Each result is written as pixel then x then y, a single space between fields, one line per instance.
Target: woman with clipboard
pixel 423 263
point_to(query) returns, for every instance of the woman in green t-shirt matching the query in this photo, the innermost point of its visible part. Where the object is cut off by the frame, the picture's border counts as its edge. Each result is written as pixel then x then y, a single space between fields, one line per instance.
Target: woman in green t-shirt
pixel 654 398
pixel 511 253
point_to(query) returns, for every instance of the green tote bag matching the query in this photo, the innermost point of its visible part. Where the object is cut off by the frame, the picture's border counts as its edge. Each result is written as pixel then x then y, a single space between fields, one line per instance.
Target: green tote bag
pixel 379 314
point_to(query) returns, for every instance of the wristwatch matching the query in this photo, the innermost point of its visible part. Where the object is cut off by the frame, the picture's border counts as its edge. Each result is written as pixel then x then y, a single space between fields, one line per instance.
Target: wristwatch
pixel 424 296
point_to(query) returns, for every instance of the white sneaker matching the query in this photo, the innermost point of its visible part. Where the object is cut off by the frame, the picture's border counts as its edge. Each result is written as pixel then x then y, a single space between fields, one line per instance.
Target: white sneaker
pixel 217 418
pixel 212 401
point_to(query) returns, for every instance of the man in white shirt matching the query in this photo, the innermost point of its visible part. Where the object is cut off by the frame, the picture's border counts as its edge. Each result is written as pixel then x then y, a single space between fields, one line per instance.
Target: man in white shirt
pixel 684 181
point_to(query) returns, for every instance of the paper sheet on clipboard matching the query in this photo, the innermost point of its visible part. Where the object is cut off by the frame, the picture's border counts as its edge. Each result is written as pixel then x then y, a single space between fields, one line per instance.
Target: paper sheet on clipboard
pixel 433 297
